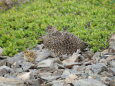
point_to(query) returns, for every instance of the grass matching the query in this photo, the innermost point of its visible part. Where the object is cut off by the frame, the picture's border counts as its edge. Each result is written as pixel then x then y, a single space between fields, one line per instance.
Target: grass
pixel 91 20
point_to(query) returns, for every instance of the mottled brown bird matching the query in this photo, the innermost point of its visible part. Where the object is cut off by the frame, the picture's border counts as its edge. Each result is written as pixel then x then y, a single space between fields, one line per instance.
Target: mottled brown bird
pixel 30 55
pixel 61 42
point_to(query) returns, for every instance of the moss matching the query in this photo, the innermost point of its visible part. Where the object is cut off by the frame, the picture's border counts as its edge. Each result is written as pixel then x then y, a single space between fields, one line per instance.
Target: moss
pixel 91 20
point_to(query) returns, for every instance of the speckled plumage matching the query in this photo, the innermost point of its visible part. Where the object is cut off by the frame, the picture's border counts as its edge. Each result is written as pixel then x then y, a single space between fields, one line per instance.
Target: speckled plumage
pixel 60 42
pixel 30 55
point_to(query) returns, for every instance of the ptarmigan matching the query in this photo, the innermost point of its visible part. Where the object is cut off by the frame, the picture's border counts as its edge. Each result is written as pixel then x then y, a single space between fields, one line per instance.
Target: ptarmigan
pixel 61 43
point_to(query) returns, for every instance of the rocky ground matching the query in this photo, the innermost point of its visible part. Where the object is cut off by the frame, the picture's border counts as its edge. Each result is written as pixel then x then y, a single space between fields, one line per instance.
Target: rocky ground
pixel 80 69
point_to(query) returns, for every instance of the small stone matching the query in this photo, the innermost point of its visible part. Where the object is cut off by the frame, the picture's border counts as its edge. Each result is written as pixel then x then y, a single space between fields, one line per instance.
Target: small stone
pixel 24 76
pixel 26 65
pixel 58 83
pixel 33 82
pixel 112 83
pixel 48 76
pixel 78 70
pixel 39 47
pixel 17 58
pixel 66 73
pixel 110 58
pixel 41 55
pixel 96 56
pixel 71 78
pixel 46 63
pixel 71 59
pixel 99 67
pixel 88 82
pixel 104 61
pixel 112 70
pixel 11 82
pixel 112 63
pixel 88 54
pixel 5 70
pixel 104 52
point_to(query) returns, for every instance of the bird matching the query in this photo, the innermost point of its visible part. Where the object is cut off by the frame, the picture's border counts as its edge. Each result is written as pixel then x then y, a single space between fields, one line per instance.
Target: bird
pixel 62 42
pixel 30 56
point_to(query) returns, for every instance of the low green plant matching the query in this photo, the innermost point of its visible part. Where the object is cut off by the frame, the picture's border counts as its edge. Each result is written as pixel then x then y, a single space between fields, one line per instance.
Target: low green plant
pixel 91 20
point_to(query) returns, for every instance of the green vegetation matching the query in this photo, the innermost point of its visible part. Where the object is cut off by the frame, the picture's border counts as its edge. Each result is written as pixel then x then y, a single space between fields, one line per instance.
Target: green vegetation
pixel 91 20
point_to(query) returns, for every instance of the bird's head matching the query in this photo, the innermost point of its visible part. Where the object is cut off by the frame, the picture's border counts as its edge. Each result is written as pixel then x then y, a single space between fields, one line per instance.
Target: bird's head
pixel 51 29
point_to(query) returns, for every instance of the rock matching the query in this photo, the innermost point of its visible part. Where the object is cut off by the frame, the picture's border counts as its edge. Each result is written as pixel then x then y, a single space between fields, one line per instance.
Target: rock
pixel 112 63
pixel 17 58
pixel 46 63
pixel 112 83
pixel 98 68
pixel 71 59
pixel 96 56
pixel 39 47
pixel 24 76
pixel 42 55
pixel 105 52
pixel 112 70
pixel 11 82
pixel 71 78
pixel 105 80
pixel 66 73
pixel 26 65
pixel 5 70
pixel 4 57
pixel 110 58
pixel 104 61
pixel 33 82
pixel 88 70
pixel 58 83
pixel 88 54
pixel 18 70
pixel 106 74
pixel 88 82
pixel 3 62
pixel 112 44
pixel 78 70
pixel 48 76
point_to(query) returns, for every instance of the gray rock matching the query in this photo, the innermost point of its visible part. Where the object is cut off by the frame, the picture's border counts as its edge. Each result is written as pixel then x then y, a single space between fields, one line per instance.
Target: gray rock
pixel 46 63
pixel 41 55
pixel 39 47
pixel 48 76
pixel 112 70
pixel 98 68
pixel 16 59
pixel 88 54
pixel 33 82
pixel 26 65
pixel 5 70
pixel 24 76
pixel 58 83
pixel 96 56
pixel 11 82
pixel 88 82
pixel 66 73
pixel 112 83
pixel 3 62
pixel 112 63
pixel 78 70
